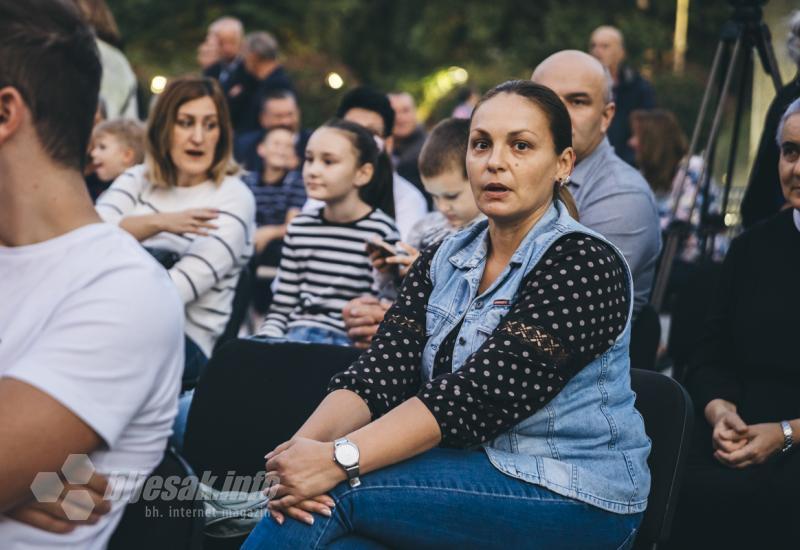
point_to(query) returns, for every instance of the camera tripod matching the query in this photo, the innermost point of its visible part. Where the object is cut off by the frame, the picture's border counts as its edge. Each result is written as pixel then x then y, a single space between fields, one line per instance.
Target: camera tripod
pixel 741 35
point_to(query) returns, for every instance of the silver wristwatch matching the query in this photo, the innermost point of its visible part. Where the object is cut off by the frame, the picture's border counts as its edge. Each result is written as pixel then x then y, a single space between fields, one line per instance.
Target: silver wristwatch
pixel 788 436
pixel 346 455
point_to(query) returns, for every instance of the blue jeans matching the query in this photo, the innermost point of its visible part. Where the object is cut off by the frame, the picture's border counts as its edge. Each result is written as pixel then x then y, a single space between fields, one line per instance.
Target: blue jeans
pixel 194 364
pixel 450 498
pixel 317 335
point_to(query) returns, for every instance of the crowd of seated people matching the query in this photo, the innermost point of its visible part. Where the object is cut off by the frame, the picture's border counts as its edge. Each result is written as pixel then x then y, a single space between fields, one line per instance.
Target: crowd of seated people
pixel 492 297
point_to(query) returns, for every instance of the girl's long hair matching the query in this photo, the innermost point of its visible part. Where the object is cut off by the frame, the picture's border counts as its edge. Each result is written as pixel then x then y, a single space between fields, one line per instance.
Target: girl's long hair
pixel 379 192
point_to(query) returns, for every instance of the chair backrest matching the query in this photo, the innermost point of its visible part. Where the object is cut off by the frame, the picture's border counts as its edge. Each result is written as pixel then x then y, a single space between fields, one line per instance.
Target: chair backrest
pixel 645 337
pixel 242 297
pixel 162 522
pixel 689 313
pixel 253 396
pixel 668 420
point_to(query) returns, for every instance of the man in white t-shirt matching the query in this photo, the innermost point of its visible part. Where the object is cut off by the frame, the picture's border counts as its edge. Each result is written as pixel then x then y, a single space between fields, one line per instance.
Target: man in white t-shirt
pixel 91 328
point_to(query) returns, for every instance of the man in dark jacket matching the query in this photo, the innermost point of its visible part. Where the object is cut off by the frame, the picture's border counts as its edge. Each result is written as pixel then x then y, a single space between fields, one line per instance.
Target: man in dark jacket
pixel 763 196
pixel 263 73
pixel 227 33
pixel 407 139
pixel 631 91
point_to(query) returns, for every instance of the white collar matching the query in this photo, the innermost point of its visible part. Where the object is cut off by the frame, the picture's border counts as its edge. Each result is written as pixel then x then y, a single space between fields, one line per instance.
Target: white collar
pixel 796 216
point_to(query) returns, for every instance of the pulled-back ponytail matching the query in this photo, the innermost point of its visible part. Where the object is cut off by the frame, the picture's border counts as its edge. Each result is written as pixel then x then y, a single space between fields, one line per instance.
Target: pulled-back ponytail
pixel 560 192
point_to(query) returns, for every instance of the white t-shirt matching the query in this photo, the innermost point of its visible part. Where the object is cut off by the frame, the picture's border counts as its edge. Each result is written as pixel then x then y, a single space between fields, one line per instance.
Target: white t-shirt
pixel 93 321
pixel 208 270
pixel 409 205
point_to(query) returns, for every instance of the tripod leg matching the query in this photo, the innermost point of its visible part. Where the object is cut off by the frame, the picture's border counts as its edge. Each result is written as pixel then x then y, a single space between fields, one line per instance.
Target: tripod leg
pixel 746 76
pixel 763 44
pixel 698 125
pixel 717 124
pixel 674 237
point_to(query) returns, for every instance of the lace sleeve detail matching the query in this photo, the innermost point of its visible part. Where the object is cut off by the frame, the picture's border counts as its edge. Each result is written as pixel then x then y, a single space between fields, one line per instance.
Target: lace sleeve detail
pixel 570 309
pixel 388 373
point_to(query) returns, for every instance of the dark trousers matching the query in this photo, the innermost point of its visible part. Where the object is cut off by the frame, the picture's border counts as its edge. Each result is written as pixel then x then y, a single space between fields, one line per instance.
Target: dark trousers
pixel 722 507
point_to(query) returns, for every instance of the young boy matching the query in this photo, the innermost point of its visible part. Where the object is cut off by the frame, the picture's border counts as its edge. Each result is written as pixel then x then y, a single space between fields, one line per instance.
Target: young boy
pixel 278 188
pixel 444 175
pixel 116 146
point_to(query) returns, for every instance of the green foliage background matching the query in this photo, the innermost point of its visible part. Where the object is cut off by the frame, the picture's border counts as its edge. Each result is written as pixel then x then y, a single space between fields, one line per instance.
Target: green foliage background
pixel 394 44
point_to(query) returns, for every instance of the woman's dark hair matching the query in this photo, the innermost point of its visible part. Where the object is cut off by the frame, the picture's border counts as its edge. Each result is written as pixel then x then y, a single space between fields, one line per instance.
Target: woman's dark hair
pixel 378 193
pixel 558 120
pixel 662 145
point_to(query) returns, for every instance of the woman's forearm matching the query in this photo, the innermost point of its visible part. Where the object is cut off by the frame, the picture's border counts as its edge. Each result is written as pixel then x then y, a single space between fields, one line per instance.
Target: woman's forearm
pixel 406 431
pixel 141 227
pixel 340 413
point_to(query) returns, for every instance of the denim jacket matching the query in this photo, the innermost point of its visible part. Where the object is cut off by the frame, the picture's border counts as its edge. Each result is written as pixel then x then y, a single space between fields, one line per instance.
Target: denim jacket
pixel 589 442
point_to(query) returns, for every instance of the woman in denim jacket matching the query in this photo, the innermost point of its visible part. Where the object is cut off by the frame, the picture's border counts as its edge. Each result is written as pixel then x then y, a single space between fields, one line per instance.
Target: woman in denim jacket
pixel 494 406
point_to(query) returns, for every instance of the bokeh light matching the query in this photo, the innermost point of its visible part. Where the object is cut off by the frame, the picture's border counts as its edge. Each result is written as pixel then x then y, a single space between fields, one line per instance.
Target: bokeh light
pixel 334 80
pixel 158 84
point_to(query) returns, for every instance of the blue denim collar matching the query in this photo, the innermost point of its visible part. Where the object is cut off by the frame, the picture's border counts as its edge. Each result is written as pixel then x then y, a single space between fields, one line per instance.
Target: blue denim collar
pixel 475 241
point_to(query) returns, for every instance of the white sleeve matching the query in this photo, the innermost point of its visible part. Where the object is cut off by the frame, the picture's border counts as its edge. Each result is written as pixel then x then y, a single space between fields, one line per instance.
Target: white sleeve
pixel 409 205
pixel 312 205
pixel 210 258
pixel 121 197
pixel 107 346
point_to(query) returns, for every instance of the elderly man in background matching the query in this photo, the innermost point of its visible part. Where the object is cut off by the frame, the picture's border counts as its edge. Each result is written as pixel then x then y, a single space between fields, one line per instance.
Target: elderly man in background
pixel 225 39
pixel 408 138
pixel 612 197
pixel 264 74
pixel 631 91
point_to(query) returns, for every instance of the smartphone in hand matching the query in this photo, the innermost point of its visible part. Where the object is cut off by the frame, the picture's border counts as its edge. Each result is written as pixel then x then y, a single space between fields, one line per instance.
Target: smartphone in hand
pixel 383 248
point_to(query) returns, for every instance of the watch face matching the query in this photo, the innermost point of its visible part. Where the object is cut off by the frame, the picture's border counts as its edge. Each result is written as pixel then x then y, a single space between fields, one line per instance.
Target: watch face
pixel 346 455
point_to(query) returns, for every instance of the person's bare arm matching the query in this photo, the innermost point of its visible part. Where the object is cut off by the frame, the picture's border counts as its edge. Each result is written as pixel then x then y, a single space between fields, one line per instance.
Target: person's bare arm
pixel 340 413
pixel 305 469
pixel 37 434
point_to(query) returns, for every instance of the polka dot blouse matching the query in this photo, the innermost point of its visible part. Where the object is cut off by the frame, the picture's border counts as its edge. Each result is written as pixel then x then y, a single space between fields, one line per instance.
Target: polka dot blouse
pixel 568 310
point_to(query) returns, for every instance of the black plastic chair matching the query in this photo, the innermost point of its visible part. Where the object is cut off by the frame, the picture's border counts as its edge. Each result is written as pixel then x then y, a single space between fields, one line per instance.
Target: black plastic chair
pixel 645 337
pixel 668 420
pixel 242 297
pixel 164 523
pixel 689 313
pixel 253 396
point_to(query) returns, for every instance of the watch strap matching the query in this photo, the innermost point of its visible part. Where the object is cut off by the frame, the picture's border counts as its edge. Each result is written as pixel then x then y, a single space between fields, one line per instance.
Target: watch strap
pixel 788 435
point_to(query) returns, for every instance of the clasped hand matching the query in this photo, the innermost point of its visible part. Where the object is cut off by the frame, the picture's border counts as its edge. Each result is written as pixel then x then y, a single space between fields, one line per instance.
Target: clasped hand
pixel 305 471
pixel 739 445
pixel 60 515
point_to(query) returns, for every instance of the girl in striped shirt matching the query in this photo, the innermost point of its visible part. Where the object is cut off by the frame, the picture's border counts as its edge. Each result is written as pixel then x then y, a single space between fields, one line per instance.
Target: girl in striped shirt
pixel 324 262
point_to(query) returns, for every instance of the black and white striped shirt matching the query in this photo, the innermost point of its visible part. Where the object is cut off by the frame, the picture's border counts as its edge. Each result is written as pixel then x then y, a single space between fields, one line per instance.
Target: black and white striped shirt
pixel 209 266
pixel 323 266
